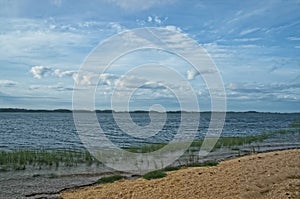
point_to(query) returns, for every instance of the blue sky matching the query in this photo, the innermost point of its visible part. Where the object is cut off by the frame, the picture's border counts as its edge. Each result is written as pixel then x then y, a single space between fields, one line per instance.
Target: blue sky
pixel 255 45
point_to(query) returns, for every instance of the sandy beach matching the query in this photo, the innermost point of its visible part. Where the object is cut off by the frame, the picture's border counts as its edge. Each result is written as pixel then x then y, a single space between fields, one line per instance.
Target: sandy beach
pixel 264 175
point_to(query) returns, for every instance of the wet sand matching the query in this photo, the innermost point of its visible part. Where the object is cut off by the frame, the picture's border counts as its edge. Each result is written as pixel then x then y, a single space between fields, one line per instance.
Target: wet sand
pixel 264 175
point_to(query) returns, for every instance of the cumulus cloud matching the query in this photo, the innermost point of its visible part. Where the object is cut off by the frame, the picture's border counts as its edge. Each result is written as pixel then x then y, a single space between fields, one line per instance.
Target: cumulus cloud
pixel 117 27
pixel 156 19
pixel 173 28
pixel 44 71
pixel 192 73
pixel 86 79
pixel 153 20
pixel 129 82
pixel 108 79
pixel 40 71
pixel 141 88
pixel 112 82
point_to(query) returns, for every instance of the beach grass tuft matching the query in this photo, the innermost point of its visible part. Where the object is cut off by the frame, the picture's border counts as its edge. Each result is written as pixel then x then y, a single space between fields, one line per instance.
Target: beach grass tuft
pixel 171 168
pixel 109 179
pixel 154 175
pixel 209 163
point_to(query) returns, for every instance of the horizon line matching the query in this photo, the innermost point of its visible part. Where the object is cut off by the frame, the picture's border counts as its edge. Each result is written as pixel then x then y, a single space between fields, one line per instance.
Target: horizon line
pixel 133 111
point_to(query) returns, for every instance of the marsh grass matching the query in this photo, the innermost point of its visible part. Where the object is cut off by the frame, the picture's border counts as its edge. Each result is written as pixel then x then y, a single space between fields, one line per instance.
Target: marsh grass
pixel 154 175
pixel 19 159
pixel 223 142
pixel 109 179
pixel 162 173
pixel 209 163
pixel 295 124
pixel 171 168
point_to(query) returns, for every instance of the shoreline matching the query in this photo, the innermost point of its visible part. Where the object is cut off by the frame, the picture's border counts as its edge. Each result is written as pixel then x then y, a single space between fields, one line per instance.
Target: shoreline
pixel 48 186
pixel 44 179
pixel 261 175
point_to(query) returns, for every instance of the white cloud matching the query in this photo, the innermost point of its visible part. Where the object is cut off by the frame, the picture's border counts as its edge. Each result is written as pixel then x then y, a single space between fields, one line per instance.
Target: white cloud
pixel 259 88
pixel 153 85
pixel 121 85
pixel 157 20
pixel 50 42
pixel 59 73
pixel 248 31
pixel 129 82
pixel 192 73
pixel 271 92
pixel 40 71
pixel 117 27
pixel 173 28
pixel 294 38
pixel 37 41
pixel 241 16
pixel 284 27
pixel 85 78
pixel 247 39
pixel 44 71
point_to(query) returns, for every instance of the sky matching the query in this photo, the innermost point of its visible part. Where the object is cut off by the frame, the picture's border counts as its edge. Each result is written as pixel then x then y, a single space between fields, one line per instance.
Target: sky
pixel 254 44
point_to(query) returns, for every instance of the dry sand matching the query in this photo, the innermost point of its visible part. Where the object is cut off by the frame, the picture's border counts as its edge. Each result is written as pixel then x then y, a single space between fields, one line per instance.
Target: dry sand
pixel 265 175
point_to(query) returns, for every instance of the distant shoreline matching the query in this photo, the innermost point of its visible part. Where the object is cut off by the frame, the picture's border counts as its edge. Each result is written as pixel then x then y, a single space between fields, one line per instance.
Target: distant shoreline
pixel 3 110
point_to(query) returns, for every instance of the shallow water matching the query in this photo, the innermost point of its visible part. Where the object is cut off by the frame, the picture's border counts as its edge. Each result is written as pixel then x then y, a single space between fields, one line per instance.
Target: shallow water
pixel 46 130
